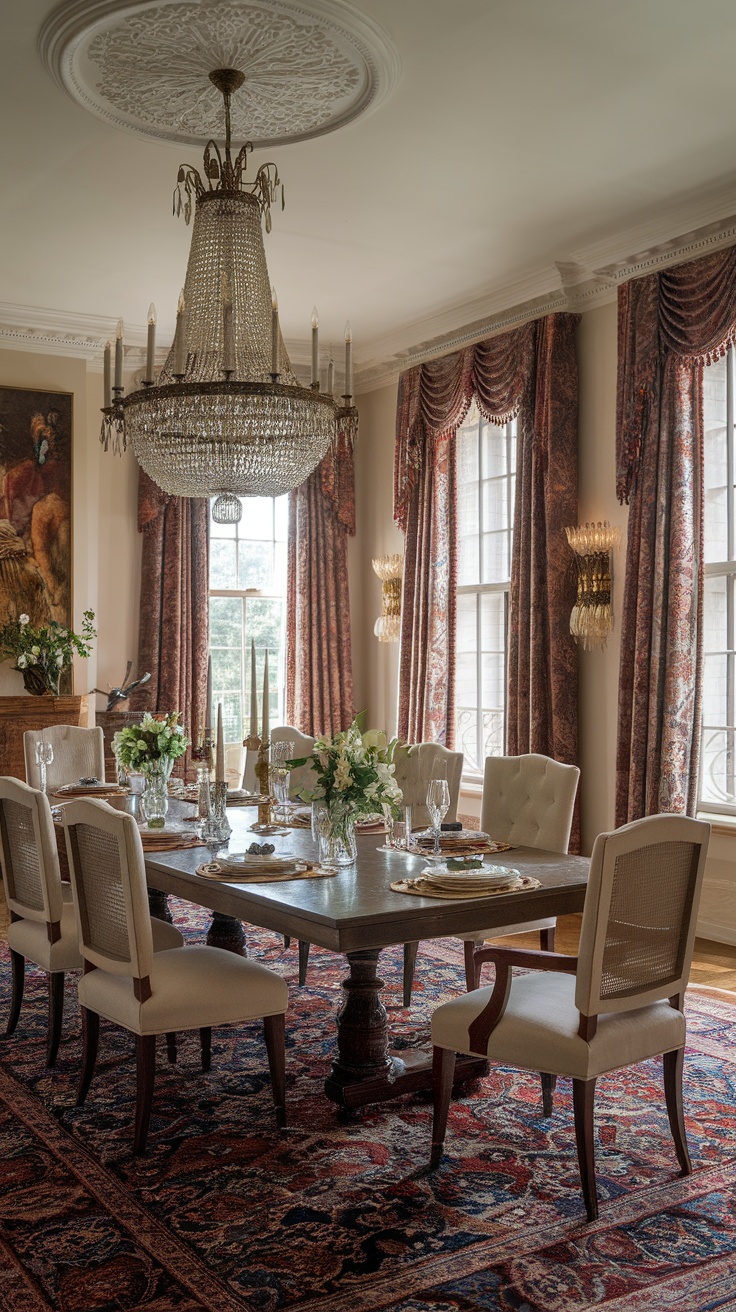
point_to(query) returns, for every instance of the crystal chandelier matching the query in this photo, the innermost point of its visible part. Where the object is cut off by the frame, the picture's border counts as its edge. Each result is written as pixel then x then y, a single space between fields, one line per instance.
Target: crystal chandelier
pixel 226 416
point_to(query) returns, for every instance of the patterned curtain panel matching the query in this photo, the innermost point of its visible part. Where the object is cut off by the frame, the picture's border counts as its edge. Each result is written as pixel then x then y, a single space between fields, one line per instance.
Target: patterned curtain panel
pixel 319 664
pixel 530 373
pixel 174 618
pixel 670 325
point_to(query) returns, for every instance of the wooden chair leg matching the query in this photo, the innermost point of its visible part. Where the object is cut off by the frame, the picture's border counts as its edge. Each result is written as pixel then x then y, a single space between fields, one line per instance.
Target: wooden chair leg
pixel 90 1041
pixel 18 965
pixel 145 1063
pixel 205 1038
pixel 303 961
pixel 583 1098
pixel 443 1074
pixel 274 1033
pixel 287 940
pixel 472 968
pixel 410 961
pixel 547 939
pixel 56 1015
pixel 171 1052
pixel 549 1084
pixel 673 1063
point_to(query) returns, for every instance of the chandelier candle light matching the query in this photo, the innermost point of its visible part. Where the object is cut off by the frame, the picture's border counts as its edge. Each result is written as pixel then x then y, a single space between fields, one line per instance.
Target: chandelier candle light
pixel 591 618
pixel 387 627
pixel 226 416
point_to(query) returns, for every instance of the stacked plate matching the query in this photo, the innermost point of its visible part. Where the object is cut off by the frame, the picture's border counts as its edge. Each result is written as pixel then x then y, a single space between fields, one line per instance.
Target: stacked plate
pixel 460 842
pixel 97 789
pixel 251 864
pixel 489 879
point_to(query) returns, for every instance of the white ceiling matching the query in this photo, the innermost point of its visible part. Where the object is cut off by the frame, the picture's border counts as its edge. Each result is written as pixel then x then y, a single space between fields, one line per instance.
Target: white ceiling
pixel 521 136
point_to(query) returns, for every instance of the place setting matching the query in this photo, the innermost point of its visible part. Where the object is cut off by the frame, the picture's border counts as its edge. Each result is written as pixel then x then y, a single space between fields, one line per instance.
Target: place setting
pixel 465 879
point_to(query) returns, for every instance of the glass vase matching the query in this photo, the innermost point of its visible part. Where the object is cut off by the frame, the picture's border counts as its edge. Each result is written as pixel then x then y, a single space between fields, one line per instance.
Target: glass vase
pixel 334 832
pixel 156 793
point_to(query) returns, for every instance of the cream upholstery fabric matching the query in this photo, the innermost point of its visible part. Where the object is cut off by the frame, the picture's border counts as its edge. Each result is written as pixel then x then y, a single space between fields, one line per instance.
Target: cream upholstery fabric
pixel 30 939
pixel 528 801
pixel 78 754
pixel 538 1030
pixel 28 853
pixel 415 766
pixel 195 987
pixel 304 777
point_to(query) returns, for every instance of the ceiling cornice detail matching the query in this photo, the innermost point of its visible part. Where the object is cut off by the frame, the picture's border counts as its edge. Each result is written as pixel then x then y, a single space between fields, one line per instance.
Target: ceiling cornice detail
pixel 567 286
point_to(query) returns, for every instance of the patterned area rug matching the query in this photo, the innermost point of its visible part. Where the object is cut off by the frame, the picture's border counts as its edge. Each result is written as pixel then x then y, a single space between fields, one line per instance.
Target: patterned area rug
pixel 226 1214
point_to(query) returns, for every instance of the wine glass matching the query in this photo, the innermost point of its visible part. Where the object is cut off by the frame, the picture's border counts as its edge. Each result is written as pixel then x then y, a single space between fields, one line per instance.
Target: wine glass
pixel 282 752
pixel 44 758
pixel 438 804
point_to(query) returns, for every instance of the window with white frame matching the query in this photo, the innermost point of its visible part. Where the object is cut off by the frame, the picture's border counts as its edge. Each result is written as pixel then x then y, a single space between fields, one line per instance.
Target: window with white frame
pixel 718 754
pixel 486 480
pixel 248 602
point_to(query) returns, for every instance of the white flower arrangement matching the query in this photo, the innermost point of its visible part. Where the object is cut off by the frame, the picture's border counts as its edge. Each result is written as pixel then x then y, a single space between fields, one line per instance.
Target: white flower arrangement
pixel 143 747
pixel 42 654
pixel 354 772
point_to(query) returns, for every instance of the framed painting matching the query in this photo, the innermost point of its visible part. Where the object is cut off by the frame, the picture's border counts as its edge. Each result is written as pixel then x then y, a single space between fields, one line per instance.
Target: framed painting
pixel 35 505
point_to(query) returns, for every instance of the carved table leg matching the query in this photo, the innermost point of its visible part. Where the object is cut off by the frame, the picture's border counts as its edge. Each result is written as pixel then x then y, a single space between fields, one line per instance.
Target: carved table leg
pixel 364 1070
pixel 158 905
pixel 228 933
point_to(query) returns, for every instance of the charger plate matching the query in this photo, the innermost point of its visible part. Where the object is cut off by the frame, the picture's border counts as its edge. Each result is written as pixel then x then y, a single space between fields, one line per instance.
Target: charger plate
pixel 238 872
pixel 423 888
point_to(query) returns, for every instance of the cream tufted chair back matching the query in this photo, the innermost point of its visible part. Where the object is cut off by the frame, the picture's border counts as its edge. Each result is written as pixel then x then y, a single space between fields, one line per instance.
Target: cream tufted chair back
pixel 529 801
pixel 415 766
pixel 304 776
pixel 78 754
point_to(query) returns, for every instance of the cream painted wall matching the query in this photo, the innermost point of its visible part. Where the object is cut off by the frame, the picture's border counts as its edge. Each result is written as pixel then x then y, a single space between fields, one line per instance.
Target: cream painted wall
pixel 598 670
pixel 105 546
pixel 375 664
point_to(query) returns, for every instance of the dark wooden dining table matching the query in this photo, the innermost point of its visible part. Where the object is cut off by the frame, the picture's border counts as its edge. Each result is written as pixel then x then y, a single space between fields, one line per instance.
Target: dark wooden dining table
pixel 355 912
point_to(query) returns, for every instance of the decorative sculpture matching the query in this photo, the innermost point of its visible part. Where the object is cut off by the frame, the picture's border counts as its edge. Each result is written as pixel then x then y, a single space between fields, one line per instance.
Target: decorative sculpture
pixel 116 695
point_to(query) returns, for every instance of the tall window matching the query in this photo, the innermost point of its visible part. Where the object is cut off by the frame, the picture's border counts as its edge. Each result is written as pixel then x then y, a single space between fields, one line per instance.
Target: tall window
pixel 248 601
pixel 718 757
pixel 486 479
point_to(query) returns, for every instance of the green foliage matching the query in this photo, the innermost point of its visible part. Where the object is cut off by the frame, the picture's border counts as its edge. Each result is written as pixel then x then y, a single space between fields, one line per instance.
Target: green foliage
pixel 43 654
pixel 157 738
pixel 354 772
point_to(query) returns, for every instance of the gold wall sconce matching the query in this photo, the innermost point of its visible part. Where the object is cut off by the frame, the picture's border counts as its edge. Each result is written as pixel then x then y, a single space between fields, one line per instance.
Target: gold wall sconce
pixel 591 618
pixel 389 570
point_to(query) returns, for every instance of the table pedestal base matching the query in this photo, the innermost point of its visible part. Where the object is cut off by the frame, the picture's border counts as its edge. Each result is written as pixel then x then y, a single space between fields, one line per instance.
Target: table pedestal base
pixel 364 1070
pixel 228 933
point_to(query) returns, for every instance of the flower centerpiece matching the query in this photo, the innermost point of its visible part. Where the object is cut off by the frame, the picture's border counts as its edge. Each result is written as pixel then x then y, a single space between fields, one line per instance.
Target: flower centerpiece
pixel 354 779
pixel 150 748
pixel 42 654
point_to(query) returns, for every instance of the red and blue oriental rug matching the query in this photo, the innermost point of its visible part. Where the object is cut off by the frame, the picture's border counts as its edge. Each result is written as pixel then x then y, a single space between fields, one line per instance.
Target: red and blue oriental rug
pixel 227 1215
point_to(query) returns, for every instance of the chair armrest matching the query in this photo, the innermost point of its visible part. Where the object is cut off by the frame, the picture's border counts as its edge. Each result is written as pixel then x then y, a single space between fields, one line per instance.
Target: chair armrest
pixel 481 1029
pixel 531 958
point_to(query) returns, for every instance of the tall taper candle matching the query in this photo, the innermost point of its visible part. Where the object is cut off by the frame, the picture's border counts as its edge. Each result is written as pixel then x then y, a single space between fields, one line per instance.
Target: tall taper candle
pixel 119 355
pixel 208 707
pixel 348 360
pixel 180 342
pixel 315 347
pixel 220 758
pixel 106 369
pixel 265 698
pixel 228 362
pixel 253 695
pixel 274 332
pixel 151 344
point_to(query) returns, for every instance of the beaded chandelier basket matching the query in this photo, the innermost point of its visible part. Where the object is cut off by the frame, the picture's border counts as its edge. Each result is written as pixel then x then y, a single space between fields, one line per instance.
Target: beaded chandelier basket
pixel 226 415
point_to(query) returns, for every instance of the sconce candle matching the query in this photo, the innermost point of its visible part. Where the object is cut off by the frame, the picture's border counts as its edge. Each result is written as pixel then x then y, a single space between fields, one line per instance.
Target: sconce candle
pixel 389 569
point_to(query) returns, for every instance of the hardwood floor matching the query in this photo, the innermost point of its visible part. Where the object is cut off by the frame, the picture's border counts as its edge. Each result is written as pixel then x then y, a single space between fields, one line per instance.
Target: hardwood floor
pixel 714 964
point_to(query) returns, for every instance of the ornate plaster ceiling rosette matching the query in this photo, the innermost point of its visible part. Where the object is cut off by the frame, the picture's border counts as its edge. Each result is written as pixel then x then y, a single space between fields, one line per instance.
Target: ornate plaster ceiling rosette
pixel 310 66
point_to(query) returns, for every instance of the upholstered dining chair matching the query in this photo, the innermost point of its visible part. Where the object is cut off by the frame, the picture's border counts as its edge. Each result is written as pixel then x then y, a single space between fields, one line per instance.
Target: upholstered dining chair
pixel 415 765
pixel 619 1002
pixel 150 993
pixel 78 754
pixel 42 926
pixel 528 801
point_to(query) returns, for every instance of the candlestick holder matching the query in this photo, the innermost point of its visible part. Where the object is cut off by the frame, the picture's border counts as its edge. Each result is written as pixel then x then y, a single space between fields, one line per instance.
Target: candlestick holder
pixel 216 826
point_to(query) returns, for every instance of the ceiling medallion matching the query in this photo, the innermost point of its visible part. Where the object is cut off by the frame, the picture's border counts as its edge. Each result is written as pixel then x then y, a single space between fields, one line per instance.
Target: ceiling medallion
pixel 310 66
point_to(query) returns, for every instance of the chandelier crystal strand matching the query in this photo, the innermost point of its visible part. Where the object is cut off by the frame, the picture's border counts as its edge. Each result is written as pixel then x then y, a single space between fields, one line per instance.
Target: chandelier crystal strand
pixel 221 418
